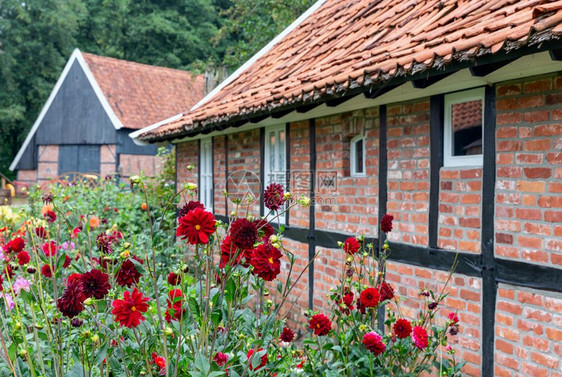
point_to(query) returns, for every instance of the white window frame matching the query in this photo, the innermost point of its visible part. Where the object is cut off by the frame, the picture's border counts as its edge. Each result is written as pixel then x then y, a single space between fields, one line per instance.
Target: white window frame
pixel 452 99
pixel 353 156
pixel 206 192
pixel 277 149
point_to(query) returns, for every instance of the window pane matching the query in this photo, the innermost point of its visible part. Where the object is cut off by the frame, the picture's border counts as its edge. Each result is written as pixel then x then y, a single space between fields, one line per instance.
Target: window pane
pixel 359 156
pixel 281 166
pixel 467 128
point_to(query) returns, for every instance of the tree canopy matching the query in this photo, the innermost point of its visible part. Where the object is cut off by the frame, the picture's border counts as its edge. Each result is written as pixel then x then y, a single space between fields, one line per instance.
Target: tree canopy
pixel 38 36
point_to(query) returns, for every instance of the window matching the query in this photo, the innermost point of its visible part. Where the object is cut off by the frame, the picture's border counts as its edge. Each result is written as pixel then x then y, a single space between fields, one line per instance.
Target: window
pixel 275 159
pixel 206 173
pixel 463 131
pixel 357 156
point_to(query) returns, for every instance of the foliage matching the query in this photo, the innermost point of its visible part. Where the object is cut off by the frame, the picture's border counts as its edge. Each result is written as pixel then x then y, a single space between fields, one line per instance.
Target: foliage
pixel 253 23
pixel 210 310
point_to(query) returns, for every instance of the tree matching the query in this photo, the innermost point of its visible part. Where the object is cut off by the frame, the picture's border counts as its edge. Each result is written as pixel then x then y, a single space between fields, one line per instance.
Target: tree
pixel 251 24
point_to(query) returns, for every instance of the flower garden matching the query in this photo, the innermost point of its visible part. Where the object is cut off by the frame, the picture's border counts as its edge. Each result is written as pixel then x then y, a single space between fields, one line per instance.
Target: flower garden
pixel 103 280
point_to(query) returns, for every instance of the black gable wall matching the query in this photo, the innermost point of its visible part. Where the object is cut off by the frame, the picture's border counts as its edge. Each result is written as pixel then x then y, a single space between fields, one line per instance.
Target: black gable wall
pixel 76 115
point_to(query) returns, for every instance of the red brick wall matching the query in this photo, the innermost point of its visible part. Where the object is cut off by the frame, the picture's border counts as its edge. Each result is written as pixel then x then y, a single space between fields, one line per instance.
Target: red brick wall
pixel 528 333
pixel 47 163
pixel 353 206
pixel 133 164
pixel 408 171
pixel 299 139
pixel 108 160
pixel 219 176
pixel 244 155
pixel 460 205
pixel 187 154
pixel 529 171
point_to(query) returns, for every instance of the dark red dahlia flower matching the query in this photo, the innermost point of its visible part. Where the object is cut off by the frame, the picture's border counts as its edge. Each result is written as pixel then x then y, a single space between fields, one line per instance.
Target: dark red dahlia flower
pixel 190 206
pixel 386 223
pixel 23 257
pixel 196 226
pixel 175 305
pixel 174 279
pixel 104 242
pixel 50 248
pixel 273 197
pixel 41 232
pixel 320 324
pixel 287 335
pixel 266 261
pixel 346 303
pixel 263 359
pixel 265 230
pixel 370 297
pixel 453 317
pixel 70 304
pixel 67 262
pixel 128 274
pixel 402 328
pixel 15 246
pixel 386 291
pixel 232 255
pixel 9 271
pixel 220 358
pixel 351 245
pixel 244 233
pixel 46 271
pixel 51 216
pixel 160 362
pixel 128 312
pixel 95 283
pixel 419 336
pixel 373 342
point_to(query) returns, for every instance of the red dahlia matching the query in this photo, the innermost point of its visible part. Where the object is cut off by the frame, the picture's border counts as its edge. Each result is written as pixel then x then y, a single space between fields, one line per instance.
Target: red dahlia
pixel 263 359
pixel 23 257
pixel 273 196
pixel 41 232
pixel 346 304
pixel 174 279
pixel 67 262
pixel 230 254
pixel 453 317
pixel 386 291
pixel 71 302
pixel 266 261
pixel 370 297
pixel 386 223
pixel 320 324
pixel 128 274
pixel 15 246
pixel 402 328
pixel 419 336
pixel 287 335
pixel 373 342
pixel 265 230
pixel 95 283
pixel 175 305
pixel 351 245
pixel 220 358
pixel 50 248
pixel 46 271
pixel 244 233
pixel 196 226
pixel 128 312
pixel 191 205
pixel 51 216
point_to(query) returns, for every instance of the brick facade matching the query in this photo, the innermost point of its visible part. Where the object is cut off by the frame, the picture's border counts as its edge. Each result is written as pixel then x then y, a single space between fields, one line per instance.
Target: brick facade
pixel 132 164
pixel 527 224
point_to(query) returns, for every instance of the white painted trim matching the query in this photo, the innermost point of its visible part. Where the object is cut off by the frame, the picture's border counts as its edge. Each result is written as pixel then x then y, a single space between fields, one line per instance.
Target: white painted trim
pixel 266 161
pixel 206 161
pixel 352 156
pixel 260 53
pixel 135 135
pixel 76 55
pixel 449 159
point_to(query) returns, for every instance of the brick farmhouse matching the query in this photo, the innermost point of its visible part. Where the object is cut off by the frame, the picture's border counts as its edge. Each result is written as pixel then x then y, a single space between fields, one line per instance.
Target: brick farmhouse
pixel 445 114
pixel 96 103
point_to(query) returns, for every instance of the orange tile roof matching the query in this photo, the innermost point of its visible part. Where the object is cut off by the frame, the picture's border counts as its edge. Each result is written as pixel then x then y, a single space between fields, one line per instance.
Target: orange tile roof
pixel 140 94
pixel 347 44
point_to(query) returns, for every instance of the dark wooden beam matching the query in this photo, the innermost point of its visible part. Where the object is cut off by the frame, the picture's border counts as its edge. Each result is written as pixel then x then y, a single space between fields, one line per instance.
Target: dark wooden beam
pixel 306 108
pixel 556 54
pixel 436 117
pixel 259 118
pixel 377 92
pixel 281 113
pixel 312 212
pixel 338 101
pixel 425 82
pixel 485 69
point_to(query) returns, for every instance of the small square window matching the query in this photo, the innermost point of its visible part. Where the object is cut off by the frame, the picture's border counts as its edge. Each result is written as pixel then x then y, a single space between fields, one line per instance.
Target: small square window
pixel 463 129
pixel 357 156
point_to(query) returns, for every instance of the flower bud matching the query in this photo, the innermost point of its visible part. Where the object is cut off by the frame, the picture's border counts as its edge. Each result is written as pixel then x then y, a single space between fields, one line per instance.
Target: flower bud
pixel 233 213
pixel 169 331
pixel 287 196
pixel 190 167
pixel 273 238
pixel 126 245
pixel 18 325
pixel 95 338
pixel 125 254
pixel 22 353
pixel 135 179
pixel 191 186
pixel 89 301
pixel 31 270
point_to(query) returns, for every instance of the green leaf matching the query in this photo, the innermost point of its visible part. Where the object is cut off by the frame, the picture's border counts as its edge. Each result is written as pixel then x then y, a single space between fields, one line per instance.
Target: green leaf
pixel 202 364
pixel 76 371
